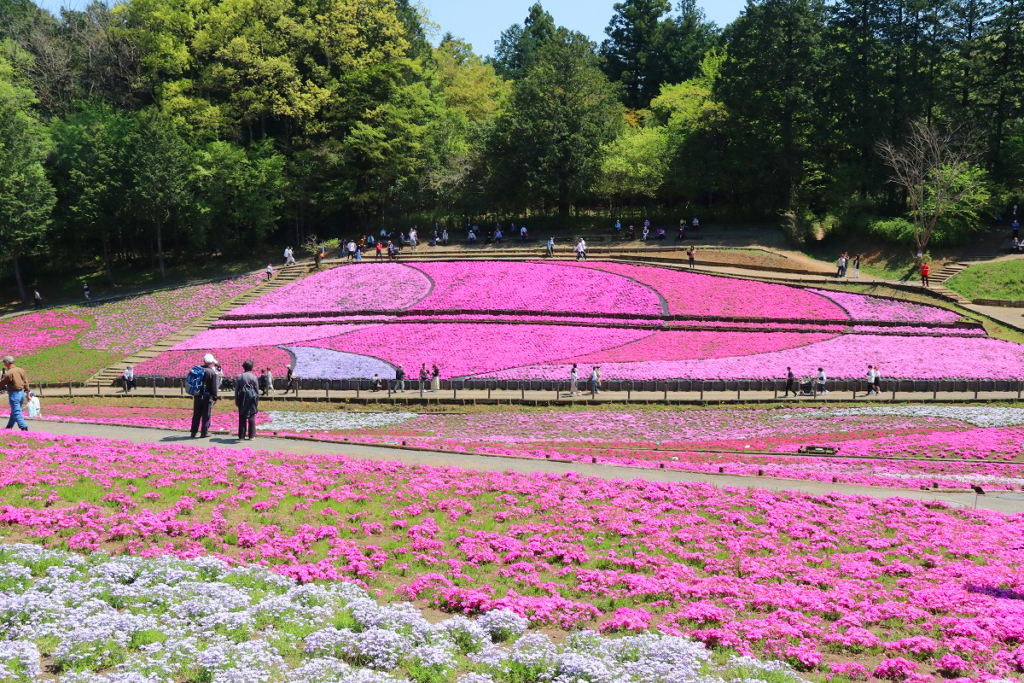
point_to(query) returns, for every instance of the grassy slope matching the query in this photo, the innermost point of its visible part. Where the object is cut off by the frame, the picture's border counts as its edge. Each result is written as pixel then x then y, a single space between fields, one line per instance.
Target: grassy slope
pixel 996 280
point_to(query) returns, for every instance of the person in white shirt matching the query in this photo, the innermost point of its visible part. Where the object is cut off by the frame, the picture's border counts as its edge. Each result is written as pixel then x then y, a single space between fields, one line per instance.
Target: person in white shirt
pixel 821 381
pixel 34 409
pixel 522 233
pixel 871 380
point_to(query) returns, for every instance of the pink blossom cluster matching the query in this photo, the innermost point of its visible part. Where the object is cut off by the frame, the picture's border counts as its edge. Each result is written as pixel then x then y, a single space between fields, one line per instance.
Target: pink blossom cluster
pixel 712 295
pixel 24 335
pixel 533 287
pixel 176 364
pixel 140 416
pixel 132 324
pixel 353 287
pixel 801 578
pixel 846 356
pixel 865 308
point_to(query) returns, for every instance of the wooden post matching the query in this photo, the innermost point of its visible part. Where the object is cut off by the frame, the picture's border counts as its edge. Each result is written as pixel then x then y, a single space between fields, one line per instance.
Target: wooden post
pixel 488 392
pixel 737 393
pixel 357 389
pixel 154 387
pixel 629 393
pixel 522 391
pixel 702 391
pixel 665 395
pixel 976 386
pixel 69 389
pixel 455 391
pixel 97 387
pixel 1018 391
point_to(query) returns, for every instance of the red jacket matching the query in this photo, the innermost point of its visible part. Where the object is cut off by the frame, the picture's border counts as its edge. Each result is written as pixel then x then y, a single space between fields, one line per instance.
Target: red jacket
pixel 924 269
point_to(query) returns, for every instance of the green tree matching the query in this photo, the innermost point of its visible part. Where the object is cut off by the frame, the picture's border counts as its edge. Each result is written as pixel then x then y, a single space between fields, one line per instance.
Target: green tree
pixel 630 53
pixel 770 84
pixel 634 164
pixel 26 194
pixel 162 166
pixel 242 191
pixel 547 144
pixel 89 162
pixel 516 51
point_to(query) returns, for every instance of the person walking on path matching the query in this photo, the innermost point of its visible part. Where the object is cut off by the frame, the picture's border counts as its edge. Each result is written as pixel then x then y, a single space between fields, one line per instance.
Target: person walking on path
pixel 247 400
pixel 839 267
pixel 790 383
pixel 435 379
pixel 87 292
pixel 202 403
pixel 400 379
pixel 380 252
pixel 270 382
pixel 574 381
pixel 871 381
pixel 876 382
pixel 691 255
pixel 37 299
pixel 15 382
pixel 924 273
pixel 551 246
pixel 270 272
pixel 35 410
pixel 129 378
pixel 289 378
pixel 821 381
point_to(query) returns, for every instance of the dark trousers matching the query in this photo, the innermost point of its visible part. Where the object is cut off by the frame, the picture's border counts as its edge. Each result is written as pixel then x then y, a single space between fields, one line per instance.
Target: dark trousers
pixel 202 410
pixel 246 425
pixel 39 304
pixel 789 387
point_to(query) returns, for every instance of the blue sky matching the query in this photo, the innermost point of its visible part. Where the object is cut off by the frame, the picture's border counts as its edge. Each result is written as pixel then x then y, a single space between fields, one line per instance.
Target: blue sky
pixel 482 21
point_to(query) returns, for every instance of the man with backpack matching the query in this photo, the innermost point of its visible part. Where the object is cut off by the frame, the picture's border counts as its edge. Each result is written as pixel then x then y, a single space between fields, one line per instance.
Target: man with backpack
pixel 247 400
pixel 203 383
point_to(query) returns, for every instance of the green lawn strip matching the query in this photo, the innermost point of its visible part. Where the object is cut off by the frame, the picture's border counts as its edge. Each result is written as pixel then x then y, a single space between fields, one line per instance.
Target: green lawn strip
pixel 996 280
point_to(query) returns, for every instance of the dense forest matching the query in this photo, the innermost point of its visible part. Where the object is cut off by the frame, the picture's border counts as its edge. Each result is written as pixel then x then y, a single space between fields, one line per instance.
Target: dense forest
pixel 148 127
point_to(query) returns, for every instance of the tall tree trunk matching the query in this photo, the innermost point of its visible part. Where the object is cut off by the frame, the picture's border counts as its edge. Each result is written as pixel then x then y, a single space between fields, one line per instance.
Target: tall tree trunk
pixel 160 247
pixel 106 263
pixel 17 277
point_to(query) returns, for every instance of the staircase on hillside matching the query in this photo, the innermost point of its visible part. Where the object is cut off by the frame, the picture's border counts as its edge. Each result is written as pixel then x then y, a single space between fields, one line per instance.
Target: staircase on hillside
pixel 286 275
pixel 984 247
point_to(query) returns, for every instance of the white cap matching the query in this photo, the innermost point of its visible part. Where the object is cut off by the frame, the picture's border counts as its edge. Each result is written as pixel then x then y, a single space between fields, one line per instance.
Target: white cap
pixel 208 358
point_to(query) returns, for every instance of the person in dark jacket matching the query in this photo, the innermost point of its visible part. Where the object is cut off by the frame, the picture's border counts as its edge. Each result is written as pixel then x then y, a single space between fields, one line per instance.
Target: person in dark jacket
pixel 202 403
pixel 247 400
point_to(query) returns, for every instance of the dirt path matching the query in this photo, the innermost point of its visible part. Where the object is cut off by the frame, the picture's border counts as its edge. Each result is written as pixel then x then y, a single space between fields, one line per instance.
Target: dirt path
pixel 1002 501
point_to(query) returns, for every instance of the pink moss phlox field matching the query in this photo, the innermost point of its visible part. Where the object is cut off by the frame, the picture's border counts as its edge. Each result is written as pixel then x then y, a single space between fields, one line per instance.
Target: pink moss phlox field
pixel 863 308
pixel 505 285
pixel 697 294
pixel 670 346
pixel 178 363
pixel 132 324
pixel 844 357
pixel 275 335
pixel 468 349
pixel 783 575
pixel 24 335
pixel 156 418
pixel 356 287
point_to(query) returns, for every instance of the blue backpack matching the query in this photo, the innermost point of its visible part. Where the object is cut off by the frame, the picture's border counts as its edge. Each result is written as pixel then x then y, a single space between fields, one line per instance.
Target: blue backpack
pixel 194 380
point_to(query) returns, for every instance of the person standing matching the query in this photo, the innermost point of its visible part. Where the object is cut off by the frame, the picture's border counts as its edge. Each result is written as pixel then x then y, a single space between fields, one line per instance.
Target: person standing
pixel 435 379
pixel 924 273
pixel 414 238
pixel 37 298
pixel 424 378
pixel 129 378
pixel 286 256
pixel 289 378
pixel 856 266
pixel 871 381
pixel 202 403
pixel 87 292
pixel 1016 227
pixel 790 383
pixel 618 226
pixel 522 233
pixel 263 382
pixel 821 381
pixel 15 382
pixel 839 266
pixel 270 382
pixel 876 383
pixel 580 251
pixel 551 246
pixel 400 379
pixel 574 381
pixel 270 272
pixel 380 252
pixel 696 223
pixel 34 408
pixel 593 381
pixel 444 237
pixel 691 255
pixel 247 400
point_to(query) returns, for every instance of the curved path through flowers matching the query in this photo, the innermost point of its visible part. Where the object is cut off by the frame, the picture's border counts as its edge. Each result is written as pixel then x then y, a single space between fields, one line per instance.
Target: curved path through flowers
pixel 1002 501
